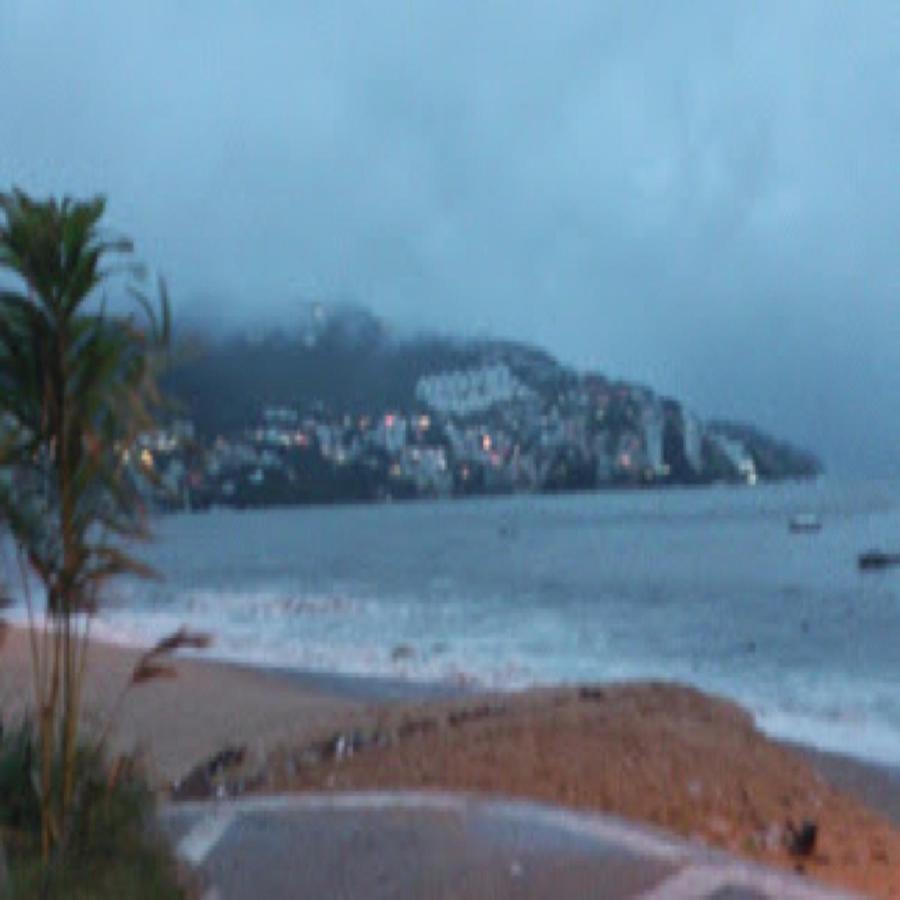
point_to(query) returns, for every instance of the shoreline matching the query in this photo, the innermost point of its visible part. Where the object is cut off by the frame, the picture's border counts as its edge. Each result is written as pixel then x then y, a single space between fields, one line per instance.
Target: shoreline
pixel 368 691
pixel 655 752
pixel 376 689
pixel 398 686
pixel 874 784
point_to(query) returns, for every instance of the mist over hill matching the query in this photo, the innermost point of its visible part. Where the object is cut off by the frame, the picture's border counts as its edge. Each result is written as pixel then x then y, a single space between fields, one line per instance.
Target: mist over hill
pixel 340 357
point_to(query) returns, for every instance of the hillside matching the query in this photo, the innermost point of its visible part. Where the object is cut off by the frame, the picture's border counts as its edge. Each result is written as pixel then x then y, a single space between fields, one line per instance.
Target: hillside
pixel 341 409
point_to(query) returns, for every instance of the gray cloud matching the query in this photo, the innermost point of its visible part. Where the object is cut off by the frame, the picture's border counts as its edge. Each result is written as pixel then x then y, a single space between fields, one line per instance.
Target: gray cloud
pixel 703 196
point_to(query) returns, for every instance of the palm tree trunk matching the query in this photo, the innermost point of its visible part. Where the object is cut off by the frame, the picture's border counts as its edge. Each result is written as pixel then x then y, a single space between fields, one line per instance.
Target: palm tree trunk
pixel 70 722
pixel 48 746
pixel 4 874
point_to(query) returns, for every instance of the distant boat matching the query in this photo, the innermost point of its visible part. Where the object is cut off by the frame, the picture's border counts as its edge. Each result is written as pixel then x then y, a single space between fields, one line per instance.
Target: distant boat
pixel 805 523
pixel 877 559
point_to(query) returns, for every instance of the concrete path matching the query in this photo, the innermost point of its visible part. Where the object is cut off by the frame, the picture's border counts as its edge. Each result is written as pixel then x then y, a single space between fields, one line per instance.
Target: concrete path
pixel 440 846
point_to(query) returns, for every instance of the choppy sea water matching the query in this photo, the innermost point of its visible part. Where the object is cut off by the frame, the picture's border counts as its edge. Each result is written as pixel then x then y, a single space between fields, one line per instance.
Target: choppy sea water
pixel 706 586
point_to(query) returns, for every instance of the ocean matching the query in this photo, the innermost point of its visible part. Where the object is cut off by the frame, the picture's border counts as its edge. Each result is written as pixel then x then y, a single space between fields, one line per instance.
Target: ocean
pixel 706 586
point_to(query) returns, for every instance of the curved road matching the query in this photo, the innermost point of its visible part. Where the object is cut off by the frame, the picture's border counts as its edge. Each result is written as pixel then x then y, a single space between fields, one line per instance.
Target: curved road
pixel 440 846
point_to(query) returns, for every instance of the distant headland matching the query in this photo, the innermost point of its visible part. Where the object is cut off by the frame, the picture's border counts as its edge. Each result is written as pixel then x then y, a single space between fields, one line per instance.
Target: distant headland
pixel 339 410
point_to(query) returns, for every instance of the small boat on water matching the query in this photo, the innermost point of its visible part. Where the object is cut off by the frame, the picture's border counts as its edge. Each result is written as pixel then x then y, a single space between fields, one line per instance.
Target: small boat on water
pixel 805 523
pixel 877 559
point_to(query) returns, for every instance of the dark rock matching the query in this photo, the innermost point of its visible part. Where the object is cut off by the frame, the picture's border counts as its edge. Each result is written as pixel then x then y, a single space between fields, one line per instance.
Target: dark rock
pixel 206 779
pixel 226 759
pixel 801 840
pixel 592 693
pixel 460 717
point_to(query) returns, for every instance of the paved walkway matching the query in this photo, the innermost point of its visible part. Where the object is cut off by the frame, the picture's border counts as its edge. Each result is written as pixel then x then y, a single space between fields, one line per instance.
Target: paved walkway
pixel 440 846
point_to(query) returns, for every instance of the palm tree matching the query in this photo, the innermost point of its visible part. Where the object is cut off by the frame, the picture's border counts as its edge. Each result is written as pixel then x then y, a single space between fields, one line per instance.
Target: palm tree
pixel 78 385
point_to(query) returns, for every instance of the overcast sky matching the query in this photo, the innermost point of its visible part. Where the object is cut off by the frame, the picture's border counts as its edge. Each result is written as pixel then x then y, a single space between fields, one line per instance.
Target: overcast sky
pixel 703 196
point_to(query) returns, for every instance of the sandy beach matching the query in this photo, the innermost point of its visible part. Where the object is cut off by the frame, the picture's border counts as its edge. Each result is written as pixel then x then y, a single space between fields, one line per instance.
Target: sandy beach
pixel 658 753
pixel 176 722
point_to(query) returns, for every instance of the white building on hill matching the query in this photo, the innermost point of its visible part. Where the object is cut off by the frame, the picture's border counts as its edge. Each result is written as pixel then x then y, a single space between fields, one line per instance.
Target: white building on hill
pixel 468 391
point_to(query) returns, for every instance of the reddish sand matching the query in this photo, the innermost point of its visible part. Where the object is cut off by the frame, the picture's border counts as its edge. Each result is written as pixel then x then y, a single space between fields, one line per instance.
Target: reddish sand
pixel 662 754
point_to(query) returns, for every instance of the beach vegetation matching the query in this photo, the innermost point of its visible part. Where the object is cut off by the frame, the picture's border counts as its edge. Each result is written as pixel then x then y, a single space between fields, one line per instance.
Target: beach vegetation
pixel 81 348
pixel 117 850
